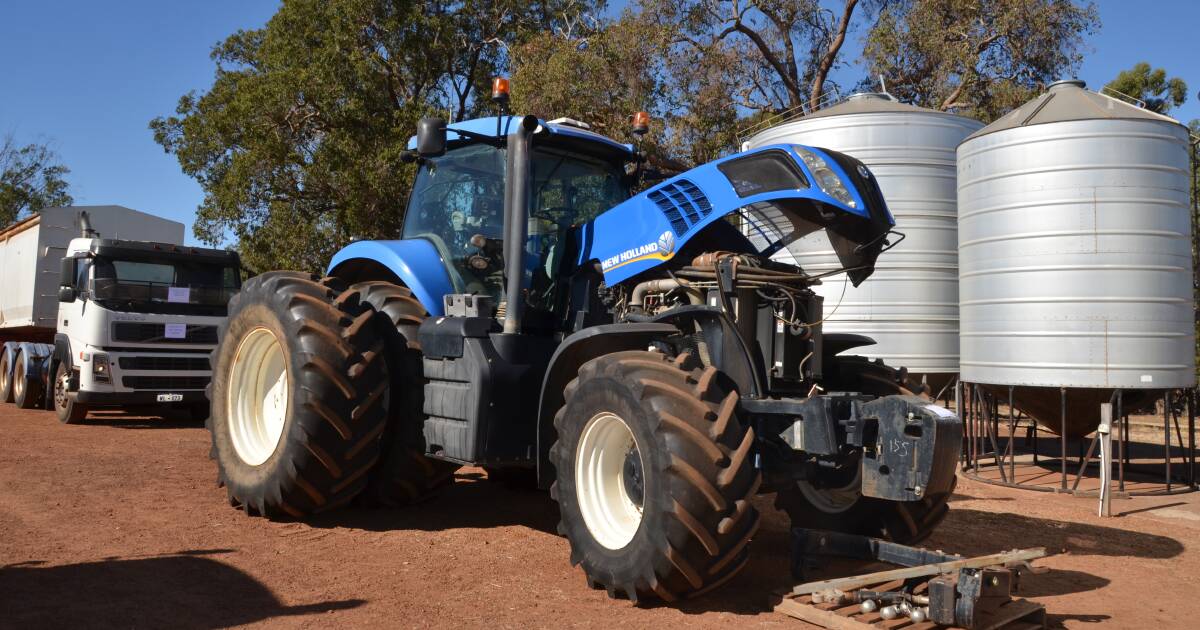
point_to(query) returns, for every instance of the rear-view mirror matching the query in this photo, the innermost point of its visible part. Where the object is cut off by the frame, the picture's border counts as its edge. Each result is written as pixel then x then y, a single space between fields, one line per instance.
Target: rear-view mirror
pixel 431 137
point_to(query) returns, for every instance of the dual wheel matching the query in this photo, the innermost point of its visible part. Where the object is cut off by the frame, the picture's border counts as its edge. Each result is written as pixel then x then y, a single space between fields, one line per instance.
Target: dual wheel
pixel 315 383
pixel 15 384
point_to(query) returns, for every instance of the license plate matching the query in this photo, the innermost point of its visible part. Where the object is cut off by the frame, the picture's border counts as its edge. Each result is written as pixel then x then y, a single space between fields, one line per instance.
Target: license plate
pixel 170 397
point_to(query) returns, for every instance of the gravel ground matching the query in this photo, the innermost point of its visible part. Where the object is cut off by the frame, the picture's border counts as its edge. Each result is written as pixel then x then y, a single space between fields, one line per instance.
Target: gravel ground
pixel 118 522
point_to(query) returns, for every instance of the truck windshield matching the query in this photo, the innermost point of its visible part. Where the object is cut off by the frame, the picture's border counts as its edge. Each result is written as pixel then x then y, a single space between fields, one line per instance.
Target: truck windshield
pixel 461 195
pixel 155 286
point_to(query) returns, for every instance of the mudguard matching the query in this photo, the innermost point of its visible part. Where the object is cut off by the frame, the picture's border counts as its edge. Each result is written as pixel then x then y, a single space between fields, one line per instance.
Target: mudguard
pixel 574 351
pixel 414 261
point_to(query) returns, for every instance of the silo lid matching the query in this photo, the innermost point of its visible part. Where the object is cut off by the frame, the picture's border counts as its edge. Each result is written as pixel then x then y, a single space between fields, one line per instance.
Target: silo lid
pixel 871 103
pixel 1069 100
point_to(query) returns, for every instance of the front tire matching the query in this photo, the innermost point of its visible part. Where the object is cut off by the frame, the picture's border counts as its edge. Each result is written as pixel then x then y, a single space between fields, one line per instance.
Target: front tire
pixel 837 503
pixel 299 395
pixel 67 410
pixel 654 476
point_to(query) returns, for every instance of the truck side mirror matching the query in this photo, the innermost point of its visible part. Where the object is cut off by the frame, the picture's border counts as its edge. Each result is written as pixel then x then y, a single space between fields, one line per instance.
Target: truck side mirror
pixel 66 294
pixel 431 137
pixel 67 274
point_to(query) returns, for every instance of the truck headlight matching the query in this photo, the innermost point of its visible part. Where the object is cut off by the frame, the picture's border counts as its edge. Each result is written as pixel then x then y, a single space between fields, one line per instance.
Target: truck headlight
pixel 827 180
pixel 101 369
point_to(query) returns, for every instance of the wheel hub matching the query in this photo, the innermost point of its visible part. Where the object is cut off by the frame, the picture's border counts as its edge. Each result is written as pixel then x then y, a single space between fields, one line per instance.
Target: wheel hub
pixel 60 390
pixel 631 476
pixel 609 480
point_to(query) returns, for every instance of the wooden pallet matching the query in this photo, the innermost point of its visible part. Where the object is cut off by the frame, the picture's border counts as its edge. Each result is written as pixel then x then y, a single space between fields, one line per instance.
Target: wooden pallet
pixel 1018 614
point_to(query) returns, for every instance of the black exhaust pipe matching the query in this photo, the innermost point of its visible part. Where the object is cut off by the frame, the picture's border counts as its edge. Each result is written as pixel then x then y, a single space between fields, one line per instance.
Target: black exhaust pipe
pixel 516 223
pixel 85 225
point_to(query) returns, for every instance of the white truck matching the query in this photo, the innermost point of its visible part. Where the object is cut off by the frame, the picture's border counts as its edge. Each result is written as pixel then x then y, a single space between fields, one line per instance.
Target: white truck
pixel 104 306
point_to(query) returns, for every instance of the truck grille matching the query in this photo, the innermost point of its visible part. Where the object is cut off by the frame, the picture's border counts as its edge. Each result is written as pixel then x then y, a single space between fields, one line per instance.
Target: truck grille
pixel 165 382
pixel 683 203
pixel 164 363
pixel 145 332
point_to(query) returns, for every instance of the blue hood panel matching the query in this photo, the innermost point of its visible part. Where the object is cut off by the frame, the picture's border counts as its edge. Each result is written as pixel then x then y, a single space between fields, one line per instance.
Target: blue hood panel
pixel 650 228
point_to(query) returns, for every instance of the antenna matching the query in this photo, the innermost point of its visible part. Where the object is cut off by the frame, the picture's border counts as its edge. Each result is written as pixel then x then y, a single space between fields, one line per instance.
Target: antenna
pixel 882 84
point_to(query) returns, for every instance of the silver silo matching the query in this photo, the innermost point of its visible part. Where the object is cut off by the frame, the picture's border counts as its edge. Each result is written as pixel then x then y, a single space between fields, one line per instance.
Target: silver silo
pixel 1074 247
pixel 910 304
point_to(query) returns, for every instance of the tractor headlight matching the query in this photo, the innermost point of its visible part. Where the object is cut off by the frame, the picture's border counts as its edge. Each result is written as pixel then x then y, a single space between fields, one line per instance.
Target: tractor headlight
pixel 101 369
pixel 827 180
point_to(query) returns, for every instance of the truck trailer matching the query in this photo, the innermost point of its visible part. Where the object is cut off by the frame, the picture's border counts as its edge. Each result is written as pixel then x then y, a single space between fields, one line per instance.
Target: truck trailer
pixel 104 306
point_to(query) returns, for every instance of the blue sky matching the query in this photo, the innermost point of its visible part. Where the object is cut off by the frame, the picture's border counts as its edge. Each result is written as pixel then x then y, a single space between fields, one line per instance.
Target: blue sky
pixel 87 77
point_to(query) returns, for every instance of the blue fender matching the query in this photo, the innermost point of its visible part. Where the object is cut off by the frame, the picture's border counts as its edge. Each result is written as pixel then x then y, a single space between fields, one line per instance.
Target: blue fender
pixel 415 261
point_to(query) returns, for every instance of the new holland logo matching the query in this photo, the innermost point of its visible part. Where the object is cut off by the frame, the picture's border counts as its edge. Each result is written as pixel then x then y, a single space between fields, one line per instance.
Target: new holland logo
pixel 666 242
pixel 660 249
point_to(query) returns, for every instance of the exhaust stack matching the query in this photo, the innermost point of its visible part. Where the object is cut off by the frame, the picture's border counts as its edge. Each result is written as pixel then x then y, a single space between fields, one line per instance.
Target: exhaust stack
pixel 85 225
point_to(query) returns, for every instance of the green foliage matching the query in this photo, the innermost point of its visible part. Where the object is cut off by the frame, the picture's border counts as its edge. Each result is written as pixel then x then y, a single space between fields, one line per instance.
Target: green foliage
pixel 1151 86
pixel 298 144
pixel 594 72
pixel 30 179
pixel 981 58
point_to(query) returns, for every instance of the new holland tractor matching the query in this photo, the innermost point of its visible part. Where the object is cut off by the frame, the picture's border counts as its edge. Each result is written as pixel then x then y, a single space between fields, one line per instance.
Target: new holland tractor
pixel 642 355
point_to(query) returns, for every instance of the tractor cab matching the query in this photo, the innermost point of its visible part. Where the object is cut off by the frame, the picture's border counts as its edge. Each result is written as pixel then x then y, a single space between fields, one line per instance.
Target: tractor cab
pixel 458 200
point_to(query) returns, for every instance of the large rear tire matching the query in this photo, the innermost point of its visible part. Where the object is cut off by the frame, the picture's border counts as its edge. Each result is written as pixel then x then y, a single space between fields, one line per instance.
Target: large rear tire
pixel 299 395
pixel 404 474
pixel 837 503
pixel 654 476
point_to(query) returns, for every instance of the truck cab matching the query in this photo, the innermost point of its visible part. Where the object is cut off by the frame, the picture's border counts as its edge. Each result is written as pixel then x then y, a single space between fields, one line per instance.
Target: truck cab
pixel 136 323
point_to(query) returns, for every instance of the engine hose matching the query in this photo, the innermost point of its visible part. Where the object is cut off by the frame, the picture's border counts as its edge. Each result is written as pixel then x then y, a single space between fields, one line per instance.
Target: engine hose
pixel 638 297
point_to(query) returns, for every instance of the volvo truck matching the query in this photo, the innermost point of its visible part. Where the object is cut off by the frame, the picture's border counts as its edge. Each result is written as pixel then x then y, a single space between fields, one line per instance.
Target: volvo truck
pixel 105 307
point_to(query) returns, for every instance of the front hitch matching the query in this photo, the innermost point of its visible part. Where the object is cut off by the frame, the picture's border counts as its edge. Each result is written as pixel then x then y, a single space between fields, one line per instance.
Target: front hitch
pixel 909 445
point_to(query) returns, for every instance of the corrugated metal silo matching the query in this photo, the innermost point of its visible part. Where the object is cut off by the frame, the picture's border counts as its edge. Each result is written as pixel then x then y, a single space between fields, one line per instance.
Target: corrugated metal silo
pixel 910 304
pixel 1074 247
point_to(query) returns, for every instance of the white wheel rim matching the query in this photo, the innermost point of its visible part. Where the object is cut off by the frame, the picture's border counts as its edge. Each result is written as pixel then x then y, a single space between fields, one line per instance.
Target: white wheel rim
pixel 611 515
pixel 833 500
pixel 258 396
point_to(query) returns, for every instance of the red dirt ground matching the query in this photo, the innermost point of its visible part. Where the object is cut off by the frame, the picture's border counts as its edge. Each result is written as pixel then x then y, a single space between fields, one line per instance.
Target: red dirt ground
pixel 118 523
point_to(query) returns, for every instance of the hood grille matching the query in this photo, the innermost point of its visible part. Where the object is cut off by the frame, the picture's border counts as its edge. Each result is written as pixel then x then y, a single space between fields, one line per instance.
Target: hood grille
pixel 683 203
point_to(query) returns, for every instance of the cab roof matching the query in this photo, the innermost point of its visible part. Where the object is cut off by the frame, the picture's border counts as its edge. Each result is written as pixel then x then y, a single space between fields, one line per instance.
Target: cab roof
pixel 497 126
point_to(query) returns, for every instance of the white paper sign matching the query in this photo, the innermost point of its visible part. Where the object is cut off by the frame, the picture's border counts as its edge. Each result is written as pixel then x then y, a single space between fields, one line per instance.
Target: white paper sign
pixel 175 331
pixel 179 294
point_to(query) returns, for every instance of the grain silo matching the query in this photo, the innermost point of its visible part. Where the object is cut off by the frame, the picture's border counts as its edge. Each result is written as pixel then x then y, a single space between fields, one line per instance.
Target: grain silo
pixel 910 304
pixel 1075 255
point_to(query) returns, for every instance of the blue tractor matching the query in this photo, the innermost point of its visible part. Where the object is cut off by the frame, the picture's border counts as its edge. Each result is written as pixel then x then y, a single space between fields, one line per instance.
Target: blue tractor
pixel 641 355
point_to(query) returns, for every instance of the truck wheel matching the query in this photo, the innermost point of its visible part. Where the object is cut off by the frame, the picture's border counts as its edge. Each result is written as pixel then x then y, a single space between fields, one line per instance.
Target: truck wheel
pixel 837 504
pixel 404 474
pixel 6 381
pixel 654 476
pixel 67 410
pixel 299 395
pixel 27 392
